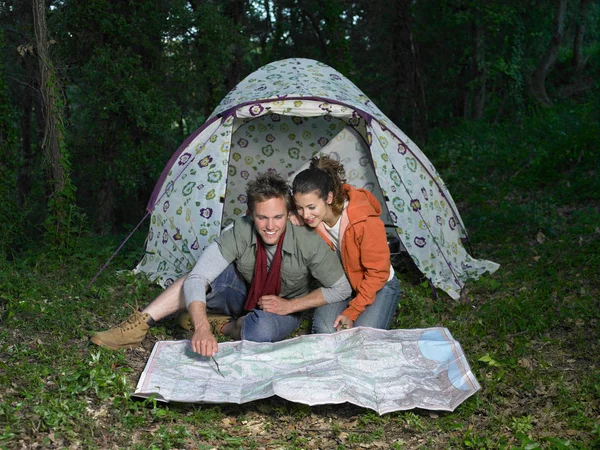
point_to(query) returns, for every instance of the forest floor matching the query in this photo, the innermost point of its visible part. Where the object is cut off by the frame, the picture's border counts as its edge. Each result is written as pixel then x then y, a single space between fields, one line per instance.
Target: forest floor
pixel 533 345
pixel 530 332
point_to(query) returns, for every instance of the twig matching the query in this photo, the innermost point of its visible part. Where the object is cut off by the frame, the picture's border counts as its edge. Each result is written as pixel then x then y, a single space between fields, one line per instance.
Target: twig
pixel 334 430
pixel 521 169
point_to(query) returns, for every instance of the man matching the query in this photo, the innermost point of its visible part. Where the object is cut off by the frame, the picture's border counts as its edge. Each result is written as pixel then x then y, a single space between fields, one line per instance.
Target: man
pixel 279 262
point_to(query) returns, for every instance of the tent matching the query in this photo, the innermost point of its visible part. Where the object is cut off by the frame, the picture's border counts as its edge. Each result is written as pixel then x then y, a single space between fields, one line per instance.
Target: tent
pixel 276 119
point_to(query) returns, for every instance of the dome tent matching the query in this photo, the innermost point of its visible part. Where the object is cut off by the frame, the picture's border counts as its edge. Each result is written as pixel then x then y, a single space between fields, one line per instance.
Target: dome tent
pixel 276 119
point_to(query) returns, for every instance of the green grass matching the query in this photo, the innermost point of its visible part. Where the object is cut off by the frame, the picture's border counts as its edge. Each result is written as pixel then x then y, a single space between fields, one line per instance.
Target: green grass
pixel 530 197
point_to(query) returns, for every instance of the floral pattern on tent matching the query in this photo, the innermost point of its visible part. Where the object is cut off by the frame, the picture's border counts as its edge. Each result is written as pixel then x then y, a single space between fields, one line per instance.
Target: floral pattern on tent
pixel 187 212
pixel 277 119
pixel 285 143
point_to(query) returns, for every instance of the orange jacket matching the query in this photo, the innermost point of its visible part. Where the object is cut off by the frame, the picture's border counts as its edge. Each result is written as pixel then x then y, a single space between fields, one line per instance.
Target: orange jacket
pixel 364 249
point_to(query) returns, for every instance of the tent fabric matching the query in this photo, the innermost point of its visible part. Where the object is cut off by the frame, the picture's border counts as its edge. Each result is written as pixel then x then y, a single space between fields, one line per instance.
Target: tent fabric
pixel 276 119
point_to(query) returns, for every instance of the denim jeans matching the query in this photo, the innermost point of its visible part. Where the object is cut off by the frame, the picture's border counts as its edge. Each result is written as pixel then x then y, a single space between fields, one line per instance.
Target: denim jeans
pixel 228 295
pixel 378 314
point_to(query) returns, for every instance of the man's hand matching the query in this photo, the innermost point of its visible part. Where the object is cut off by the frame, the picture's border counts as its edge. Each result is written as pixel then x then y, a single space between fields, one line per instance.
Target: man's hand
pixel 274 304
pixel 342 323
pixel 204 342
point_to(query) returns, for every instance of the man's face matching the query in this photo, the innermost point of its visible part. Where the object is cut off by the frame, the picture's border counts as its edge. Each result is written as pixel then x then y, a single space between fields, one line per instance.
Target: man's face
pixel 270 218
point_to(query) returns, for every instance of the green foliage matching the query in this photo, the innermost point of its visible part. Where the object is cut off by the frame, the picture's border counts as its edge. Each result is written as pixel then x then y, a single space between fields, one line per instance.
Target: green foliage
pixel 523 326
pixel 512 164
pixel 122 121
pixel 526 329
pixel 13 218
pixel 199 35
pixel 64 221
pixel 506 29
pixel 141 76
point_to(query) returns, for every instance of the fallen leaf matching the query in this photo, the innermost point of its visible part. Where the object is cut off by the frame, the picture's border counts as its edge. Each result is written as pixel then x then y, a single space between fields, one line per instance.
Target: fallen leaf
pixel 226 422
pixel 540 237
pixel 526 363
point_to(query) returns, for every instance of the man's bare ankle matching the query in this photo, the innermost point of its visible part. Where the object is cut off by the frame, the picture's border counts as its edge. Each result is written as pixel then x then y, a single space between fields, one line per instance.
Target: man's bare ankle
pixel 227 328
pixel 151 320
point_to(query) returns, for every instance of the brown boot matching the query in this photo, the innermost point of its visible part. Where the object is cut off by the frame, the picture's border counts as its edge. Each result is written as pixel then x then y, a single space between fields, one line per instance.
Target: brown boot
pixel 185 321
pixel 128 334
pixel 216 321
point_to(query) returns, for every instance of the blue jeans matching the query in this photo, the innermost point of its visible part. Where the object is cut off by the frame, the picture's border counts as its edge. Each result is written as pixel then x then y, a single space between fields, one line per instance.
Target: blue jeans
pixel 228 295
pixel 378 314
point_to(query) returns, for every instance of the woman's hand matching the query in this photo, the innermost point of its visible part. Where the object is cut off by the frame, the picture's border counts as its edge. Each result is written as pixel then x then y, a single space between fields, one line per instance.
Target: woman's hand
pixel 343 323
pixel 274 304
pixel 295 218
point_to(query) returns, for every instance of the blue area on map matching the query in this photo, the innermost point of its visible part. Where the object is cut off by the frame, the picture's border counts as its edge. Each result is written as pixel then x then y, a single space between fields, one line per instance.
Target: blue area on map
pixel 435 346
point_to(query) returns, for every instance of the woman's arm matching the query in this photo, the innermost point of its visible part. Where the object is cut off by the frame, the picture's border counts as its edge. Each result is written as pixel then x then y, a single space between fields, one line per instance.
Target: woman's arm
pixel 374 255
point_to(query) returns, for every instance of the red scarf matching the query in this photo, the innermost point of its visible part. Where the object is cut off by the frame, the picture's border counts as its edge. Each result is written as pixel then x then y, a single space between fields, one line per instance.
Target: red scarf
pixel 265 282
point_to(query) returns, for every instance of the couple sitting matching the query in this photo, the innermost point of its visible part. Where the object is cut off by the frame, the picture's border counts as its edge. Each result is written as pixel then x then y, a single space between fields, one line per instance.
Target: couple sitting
pixel 280 262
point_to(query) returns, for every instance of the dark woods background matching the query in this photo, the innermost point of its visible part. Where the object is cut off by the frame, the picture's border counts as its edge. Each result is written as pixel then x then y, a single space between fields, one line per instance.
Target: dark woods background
pixel 95 95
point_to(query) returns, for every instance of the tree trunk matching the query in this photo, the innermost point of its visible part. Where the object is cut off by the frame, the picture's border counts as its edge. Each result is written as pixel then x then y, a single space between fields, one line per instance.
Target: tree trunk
pixel 267 32
pixel 479 72
pixel 296 27
pixel 335 27
pixel 409 89
pixel 317 29
pixel 61 190
pixel 27 104
pixel 106 205
pixel 53 132
pixel 538 80
pixel 578 60
pixel 578 83
pixel 278 31
pixel 25 166
pixel 500 110
pixel 235 10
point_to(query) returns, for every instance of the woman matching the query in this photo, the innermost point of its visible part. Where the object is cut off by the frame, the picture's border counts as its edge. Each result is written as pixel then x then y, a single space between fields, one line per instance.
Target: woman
pixel 348 220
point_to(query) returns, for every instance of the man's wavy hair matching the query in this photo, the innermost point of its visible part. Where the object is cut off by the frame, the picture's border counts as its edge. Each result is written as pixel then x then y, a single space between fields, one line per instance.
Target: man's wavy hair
pixel 266 186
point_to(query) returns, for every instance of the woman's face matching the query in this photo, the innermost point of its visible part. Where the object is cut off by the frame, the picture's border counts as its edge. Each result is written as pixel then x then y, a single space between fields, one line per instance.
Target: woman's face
pixel 313 209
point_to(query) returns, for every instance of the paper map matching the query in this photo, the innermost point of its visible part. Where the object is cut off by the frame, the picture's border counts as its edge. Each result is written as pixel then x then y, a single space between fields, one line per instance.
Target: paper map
pixel 378 369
